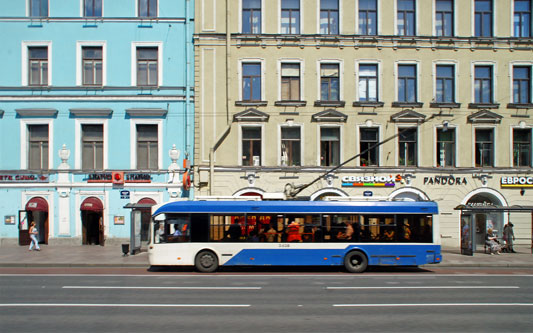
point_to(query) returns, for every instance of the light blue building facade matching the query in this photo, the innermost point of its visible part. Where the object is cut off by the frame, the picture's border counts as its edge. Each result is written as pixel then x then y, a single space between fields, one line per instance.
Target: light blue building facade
pixel 96 115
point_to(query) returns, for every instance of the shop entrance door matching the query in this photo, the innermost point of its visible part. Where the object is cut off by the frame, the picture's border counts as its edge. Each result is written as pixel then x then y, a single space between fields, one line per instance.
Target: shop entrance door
pixel 36 211
pixel 92 222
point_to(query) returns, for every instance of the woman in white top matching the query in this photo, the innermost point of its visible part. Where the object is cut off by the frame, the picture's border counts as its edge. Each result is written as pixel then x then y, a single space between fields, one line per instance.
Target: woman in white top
pixel 33 235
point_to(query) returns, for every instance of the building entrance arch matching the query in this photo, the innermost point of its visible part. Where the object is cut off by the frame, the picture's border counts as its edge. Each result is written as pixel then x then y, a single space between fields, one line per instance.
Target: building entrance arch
pixel 408 194
pixel 328 192
pixel 92 221
pixel 36 211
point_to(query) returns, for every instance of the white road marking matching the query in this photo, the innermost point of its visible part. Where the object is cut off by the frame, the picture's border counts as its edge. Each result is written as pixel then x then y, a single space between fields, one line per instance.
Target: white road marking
pixel 162 288
pixel 431 304
pixel 430 287
pixel 124 305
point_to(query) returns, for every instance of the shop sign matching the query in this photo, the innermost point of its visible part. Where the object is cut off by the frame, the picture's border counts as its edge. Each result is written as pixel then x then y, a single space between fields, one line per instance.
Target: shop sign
pixel 24 178
pixel 124 194
pixel 107 177
pixel 445 180
pixel 370 181
pixel 520 182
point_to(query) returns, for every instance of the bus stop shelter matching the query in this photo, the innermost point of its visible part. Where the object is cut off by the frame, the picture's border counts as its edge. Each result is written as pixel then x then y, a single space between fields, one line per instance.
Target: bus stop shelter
pixel 467 234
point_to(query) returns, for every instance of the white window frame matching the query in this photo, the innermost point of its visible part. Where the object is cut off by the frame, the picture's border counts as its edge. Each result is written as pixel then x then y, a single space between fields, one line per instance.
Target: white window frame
pixel 511 20
pixel 417 27
pixel 133 140
pixel 24 60
pixel 378 22
pixel 368 125
pixel 137 11
pixel 134 46
pixel 79 59
pixel 289 124
pixel 494 66
pixel 262 16
pixel 82 9
pixel 494 144
pixel 290 61
pixel 24 136
pixel 455 65
pixel 399 128
pixel 240 152
pixel 319 64
pixel 379 74
pixel 521 125
pixel 318 17
pixel 418 75
pixel 512 64
pixel 457 143
pixel 263 74
pixel 78 138
pixel 318 138
pixel 279 16
pixel 494 18
pixel 434 18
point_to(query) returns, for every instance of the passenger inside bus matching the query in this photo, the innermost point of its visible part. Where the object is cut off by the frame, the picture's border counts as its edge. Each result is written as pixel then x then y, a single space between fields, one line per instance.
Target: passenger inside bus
pixel 348 232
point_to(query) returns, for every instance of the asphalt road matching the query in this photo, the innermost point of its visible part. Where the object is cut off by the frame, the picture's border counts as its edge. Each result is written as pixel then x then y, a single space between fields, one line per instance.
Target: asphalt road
pixel 261 302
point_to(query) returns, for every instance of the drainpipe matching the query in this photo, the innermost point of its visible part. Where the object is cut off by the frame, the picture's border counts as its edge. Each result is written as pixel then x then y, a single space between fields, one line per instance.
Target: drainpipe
pixel 187 74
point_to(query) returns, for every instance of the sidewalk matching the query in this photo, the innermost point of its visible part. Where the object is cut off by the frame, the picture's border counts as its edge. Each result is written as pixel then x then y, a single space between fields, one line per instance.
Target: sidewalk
pixel 111 256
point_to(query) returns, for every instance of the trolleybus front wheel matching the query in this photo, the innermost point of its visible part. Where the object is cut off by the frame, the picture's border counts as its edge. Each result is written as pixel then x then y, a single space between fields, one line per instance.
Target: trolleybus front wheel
pixel 206 262
pixel 355 262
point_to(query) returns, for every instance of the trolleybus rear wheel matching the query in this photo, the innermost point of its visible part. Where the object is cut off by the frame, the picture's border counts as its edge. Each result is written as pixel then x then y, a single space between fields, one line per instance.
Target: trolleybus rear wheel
pixel 206 262
pixel 355 262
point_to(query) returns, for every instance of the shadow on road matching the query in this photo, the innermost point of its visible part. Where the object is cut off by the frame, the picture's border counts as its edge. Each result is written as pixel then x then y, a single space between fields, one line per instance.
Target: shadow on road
pixel 291 269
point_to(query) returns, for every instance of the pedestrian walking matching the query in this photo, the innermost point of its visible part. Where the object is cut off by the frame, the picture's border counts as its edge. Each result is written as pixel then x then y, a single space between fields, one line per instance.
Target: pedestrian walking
pixel 508 237
pixel 33 235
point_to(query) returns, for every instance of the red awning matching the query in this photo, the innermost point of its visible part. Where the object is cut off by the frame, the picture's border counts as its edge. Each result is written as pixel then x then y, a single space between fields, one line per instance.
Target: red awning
pixel 92 204
pixel 37 204
pixel 147 201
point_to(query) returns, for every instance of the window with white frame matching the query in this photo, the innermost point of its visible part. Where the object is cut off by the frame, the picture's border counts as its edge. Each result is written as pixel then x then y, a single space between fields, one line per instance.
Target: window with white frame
pixel 484 147
pixel 329 17
pixel 445 147
pixel 444 18
pixel 92 8
pixel 368 146
pixel 290 17
pixel 147 147
pixel 251 16
pixel 147 66
pixel 521 84
pixel 92 141
pixel 290 81
pixel 407 83
pixel 408 146
pixel 251 81
pixel 406 16
pixel 483 18
pixel 330 146
pixel 92 65
pixel 38 8
pixel 368 82
pixel 368 17
pixel 251 146
pixel 483 84
pixel 291 143
pixel 38 146
pixel 329 82
pixel 445 84
pixel 38 65
pixel 521 147
pixel 147 8
pixel 522 18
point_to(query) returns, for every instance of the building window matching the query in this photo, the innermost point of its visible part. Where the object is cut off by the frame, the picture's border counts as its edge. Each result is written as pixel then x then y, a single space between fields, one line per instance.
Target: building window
pixel 369 138
pixel 290 146
pixel 329 82
pixel 483 18
pixel 329 17
pixel 521 84
pixel 147 147
pixel 368 82
pixel 484 148
pixel 39 8
pixel 445 84
pixel 445 147
pixel 92 65
pixel 407 147
pixel 330 147
pixel 406 17
pixel 147 64
pixel 251 146
pixel 483 84
pixel 251 82
pixel 290 82
pixel 444 17
pixel 521 147
pixel 368 17
pixel 407 83
pixel 251 16
pixel 92 147
pixel 290 17
pixel 147 8
pixel 92 8
pixel 522 18
pixel 38 147
pixel 38 65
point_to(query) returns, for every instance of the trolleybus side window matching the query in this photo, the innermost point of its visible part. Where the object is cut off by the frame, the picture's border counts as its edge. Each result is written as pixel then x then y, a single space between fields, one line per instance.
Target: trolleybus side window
pixel 176 228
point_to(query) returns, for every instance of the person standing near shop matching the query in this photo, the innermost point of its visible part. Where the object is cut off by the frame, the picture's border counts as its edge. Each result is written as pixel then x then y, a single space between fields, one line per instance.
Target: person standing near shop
pixel 508 237
pixel 33 235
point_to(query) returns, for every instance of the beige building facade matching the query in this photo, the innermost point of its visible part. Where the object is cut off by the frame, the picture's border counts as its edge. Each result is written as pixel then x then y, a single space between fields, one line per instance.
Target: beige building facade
pixel 369 100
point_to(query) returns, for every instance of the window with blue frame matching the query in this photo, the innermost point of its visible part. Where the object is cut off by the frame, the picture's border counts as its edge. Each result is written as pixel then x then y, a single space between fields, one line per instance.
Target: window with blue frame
pixel 406 17
pixel 39 8
pixel 483 18
pixel 329 17
pixel 329 82
pixel 483 84
pixel 444 17
pixel 251 16
pixel 251 81
pixel 445 84
pixel 290 17
pixel 407 83
pixel 522 18
pixel 521 84
pixel 147 8
pixel 368 17
pixel 92 8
